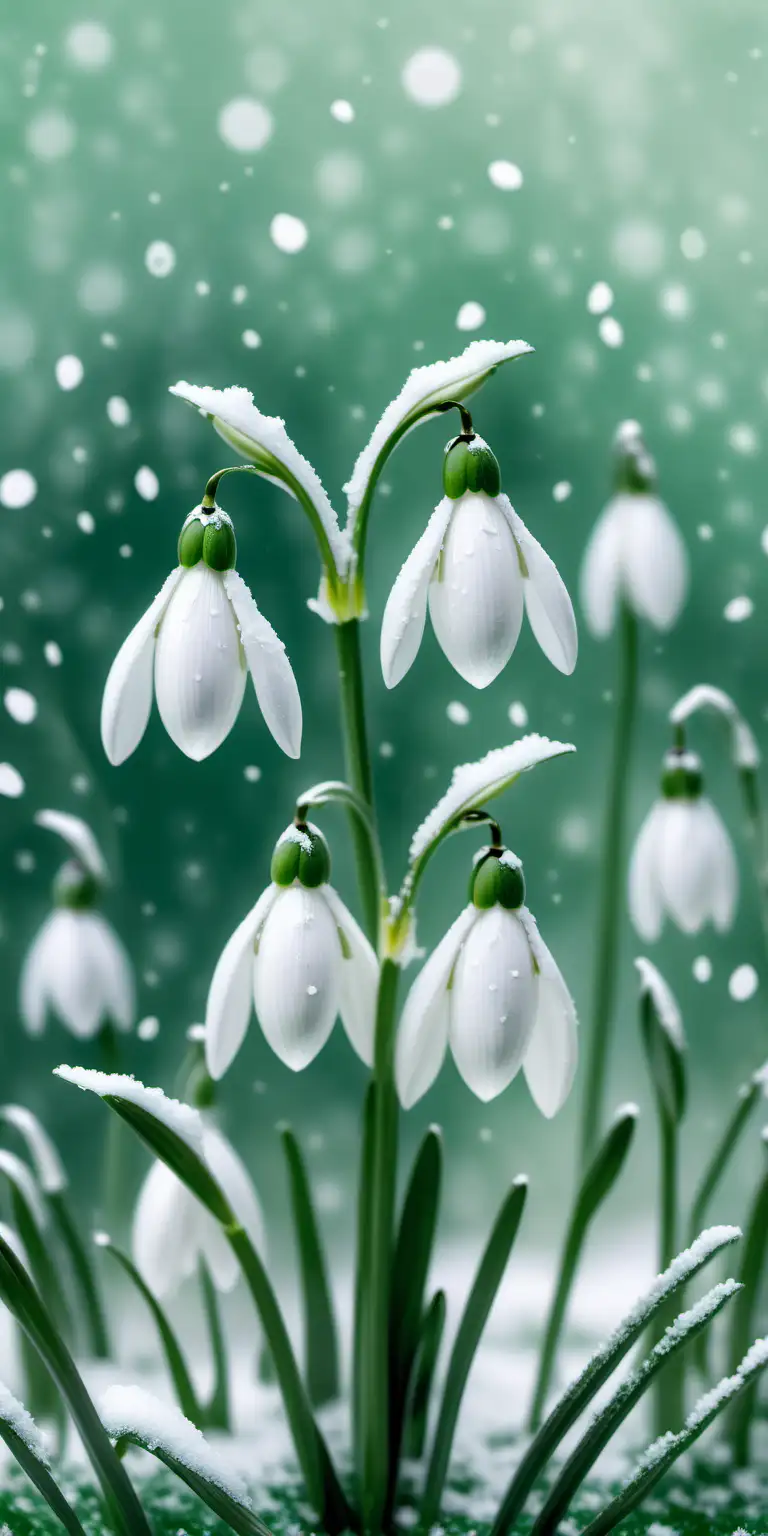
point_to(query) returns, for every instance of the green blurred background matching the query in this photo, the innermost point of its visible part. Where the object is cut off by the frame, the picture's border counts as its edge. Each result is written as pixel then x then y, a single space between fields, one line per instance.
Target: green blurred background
pixel 638 136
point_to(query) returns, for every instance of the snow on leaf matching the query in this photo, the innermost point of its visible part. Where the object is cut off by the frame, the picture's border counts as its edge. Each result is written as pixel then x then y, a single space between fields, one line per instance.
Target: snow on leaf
pixel 653 985
pixel 50 1171
pixel 744 748
pixel 264 440
pixel 80 838
pixel 474 783
pixel 421 395
pixel 14 1414
pixel 132 1411
pixel 180 1118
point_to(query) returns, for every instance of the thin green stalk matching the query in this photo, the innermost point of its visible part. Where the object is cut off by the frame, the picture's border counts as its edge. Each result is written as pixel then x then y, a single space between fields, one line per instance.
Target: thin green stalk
pixel 321 1353
pixel 410 1270
pixel 758 840
pixel 38 1473
pixel 113 1151
pixel 84 1275
pixel 21 1298
pixel 748 1096
pixel 669 1391
pixel 611 895
pixel 217 1408
pixel 358 766
pixel 374 1396
pixel 186 1395
pixel 362 1270
pixel 422 1379
pixel 595 1187
pixel 752 1275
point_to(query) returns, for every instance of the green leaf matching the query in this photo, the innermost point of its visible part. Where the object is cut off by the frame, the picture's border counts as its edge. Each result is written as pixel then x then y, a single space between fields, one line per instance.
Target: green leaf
pixel 216 1412
pixel 186 1396
pixel 31 1221
pixel 745 1312
pixel 320 1338
pixel 410 1268
pixel 422 1378
pixel 237 1516
pixel 361 1272
pixel 38 1473
pixel 665 1054
pixel 665 1451
pixel 83 1272
pixel 596 1185
pixel 481 1298
pixel 601 1365
pixel 605 1424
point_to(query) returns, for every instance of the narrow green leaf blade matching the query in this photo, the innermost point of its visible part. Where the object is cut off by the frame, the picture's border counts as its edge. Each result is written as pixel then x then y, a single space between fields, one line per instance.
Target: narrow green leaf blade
pixel 186 1396
pixel 410 1268
pixel 481 1298
pixel 422 1379
pixel 321 1350
pixel 38 1473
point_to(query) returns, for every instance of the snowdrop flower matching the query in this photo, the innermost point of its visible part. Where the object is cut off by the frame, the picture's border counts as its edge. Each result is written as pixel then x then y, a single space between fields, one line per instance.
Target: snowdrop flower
pixel 635 554
pixel 200 637
pixel 478 567
pixel 301 957
pixel 493 993
pixel 683 865
pixel 76 967
pixel 172 1231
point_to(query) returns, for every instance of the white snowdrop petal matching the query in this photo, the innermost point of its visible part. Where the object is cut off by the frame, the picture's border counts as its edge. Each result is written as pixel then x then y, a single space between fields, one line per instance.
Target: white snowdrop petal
pixel 33 984
pixel 684 863
pixel 270 669
pixel 231 1173
pixel 405 615
pixel 127 697
pixel 297 975
pixel 654 560
pixel 113 968
pixel 359 980
pixel 493 1002
pixel 230 994
pixel 422 1036
pixel 646 907
pixel 553 1052
pixel 547 602
pixel 601 571
pixel 200 669
pixel 476 595
pixel 165 1224
pixel 723 869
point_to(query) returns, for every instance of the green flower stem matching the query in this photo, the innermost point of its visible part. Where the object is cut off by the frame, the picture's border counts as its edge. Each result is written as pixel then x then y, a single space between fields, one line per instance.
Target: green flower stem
pixel 112 1202
pixel 669 1390
pixel 380 1174
pixel 358 767
pixel 84 1275
pixel 748 1096
pixel 183 1387
pixel 21 1298
pixel 744 1317
pixel 612 893
pixel 758 840
pixel 217 1409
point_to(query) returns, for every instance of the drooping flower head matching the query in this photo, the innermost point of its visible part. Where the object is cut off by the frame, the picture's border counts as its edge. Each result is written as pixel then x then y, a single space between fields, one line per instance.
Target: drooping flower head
pixel 683 865
pixel 76 967
pixel 635 554
pixel 478 568
pixel 197 642
pixel 493 993
pixel 299 958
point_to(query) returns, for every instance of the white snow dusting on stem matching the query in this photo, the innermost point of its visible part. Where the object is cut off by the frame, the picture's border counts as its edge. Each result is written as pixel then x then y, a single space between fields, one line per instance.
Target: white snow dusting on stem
pixel 138 1414
pixel 474 783
pixel 185 1121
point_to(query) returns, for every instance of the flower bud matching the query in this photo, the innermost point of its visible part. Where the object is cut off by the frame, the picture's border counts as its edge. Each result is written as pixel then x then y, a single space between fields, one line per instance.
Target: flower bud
pixel 469 465
pixel 301 854
pixel 75 887
pixel 635 467
pixel 681 777
pixel 497 879
pixel 208 536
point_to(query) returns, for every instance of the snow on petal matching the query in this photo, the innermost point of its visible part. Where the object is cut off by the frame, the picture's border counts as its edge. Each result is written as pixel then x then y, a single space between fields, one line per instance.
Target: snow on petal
pixel 422 1036
pixel 264 440
pixel 230 995
pixel 127 700
pixel 80 839
pixel 270 669
pixel 472 784
pixel 359 979
pixel 547 602
pixel 424 391
pixel 405 615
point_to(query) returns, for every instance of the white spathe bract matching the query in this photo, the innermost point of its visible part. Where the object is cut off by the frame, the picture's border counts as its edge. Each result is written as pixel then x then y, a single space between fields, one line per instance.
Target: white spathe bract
pixel 173 1232
pixel 683 866
pixel 472 784
pixel 77 969
pixel 198 640
pixel 667 1008
pixel 492 992
pixel 300 959
pixel 479 568
pixel 184 1121
pixel 423 393
pixel 80 839
pixel 264 440
pixel 744 749
pixel 132 1411
pixel 49 1169
pixel 635 555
